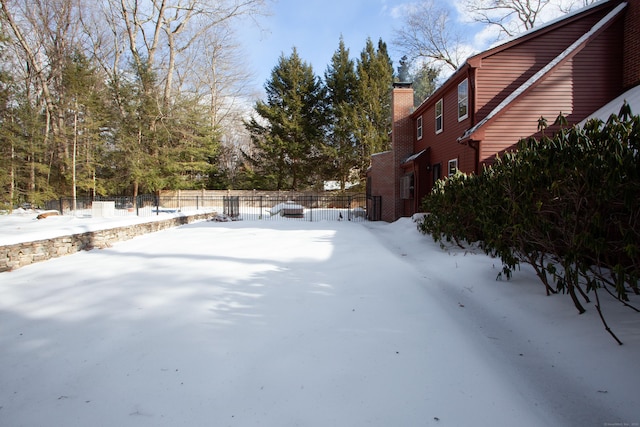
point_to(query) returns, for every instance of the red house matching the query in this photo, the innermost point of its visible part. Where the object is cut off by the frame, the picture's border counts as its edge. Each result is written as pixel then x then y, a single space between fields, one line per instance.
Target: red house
pixel 573 66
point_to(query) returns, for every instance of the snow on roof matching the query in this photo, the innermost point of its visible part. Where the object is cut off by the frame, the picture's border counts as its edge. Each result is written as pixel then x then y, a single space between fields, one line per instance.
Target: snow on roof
pixel 632 96
pixel 545 70
pixel 414 156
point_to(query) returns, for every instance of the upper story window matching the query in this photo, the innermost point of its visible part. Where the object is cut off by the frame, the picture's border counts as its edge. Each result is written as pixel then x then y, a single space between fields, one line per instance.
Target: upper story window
pixel 453 167
pixel 419 127
pixel 439 116
pixel 463 100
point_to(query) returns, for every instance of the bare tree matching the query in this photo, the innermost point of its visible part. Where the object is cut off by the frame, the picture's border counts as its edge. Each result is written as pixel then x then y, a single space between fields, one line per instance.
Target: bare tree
pixel 510 16
pixel 183 47
pixel 428 33
pixel 44 34
pixel 569 5
pixel 169 28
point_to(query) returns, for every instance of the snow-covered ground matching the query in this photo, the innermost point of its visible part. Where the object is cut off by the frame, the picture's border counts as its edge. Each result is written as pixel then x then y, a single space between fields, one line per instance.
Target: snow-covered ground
pixel 294 323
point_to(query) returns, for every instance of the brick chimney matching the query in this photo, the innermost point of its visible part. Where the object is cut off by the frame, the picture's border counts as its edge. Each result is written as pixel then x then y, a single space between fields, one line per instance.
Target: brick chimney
pixel 402 134
pixel 631 55
pixel 383 176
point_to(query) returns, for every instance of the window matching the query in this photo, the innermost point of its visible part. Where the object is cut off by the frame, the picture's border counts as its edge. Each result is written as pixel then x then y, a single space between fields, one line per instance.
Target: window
pixel 463 100
pixel 439 116
pixel 419 127
pixel 453 167
pixel 406 190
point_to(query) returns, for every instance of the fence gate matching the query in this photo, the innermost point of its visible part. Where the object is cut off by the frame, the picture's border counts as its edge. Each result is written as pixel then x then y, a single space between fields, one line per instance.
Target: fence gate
pixel 231 206
pixel 374 208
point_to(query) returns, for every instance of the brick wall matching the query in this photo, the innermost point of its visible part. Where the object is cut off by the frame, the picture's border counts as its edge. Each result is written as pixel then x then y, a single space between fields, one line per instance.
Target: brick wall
pixel 21 254
pixel 382 181
pixel 631 56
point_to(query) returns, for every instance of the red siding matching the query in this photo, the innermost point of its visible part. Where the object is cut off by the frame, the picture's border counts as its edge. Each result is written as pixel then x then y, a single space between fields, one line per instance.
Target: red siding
pixel 444 146
pixel 520 120
pixel 575 89
pixel 500 74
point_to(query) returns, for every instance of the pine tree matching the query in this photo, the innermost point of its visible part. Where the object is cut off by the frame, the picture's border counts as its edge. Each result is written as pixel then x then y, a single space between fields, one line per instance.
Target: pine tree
pixel 424 82
pixel 374 72
pixel 288 134
pixel 85 117
pixel 340 80
pixel 132 163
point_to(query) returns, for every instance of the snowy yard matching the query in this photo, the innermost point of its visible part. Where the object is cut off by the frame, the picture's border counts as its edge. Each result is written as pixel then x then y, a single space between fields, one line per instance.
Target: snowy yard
pixel 294 323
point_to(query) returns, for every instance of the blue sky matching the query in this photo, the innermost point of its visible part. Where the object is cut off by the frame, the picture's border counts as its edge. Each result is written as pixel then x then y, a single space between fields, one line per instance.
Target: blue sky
pixel 314 28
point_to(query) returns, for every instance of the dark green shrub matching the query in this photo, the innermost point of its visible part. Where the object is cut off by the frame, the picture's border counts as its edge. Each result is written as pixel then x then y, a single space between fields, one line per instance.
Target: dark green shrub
pixel 569 205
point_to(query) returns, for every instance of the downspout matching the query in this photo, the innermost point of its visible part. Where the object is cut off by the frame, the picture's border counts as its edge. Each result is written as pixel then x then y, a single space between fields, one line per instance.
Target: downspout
pixel 476 148
pixel 415 188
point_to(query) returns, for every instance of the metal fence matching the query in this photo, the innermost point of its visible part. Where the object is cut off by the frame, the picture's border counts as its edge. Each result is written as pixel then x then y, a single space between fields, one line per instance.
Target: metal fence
pixel 304 207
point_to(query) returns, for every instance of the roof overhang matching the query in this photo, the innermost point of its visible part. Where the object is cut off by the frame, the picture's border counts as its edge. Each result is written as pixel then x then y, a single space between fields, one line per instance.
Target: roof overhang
pixel 567 54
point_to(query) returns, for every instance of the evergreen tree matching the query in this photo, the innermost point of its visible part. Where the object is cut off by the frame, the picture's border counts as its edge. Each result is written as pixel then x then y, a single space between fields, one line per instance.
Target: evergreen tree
pixel 424 80
pixel 288 133
pixel 133 164
pixel 374 72
pixel 340 80
pixel 85 116
pixel 191 147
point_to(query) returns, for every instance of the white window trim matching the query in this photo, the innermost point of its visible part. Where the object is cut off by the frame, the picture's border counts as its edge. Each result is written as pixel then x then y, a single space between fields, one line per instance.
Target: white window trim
pixel 441 116
pixel 466 100
pixel 419 128
pixel 452 162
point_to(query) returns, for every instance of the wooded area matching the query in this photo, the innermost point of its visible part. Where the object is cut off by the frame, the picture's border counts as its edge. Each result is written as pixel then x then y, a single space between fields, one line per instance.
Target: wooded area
pixel 121 97
pixel 115 96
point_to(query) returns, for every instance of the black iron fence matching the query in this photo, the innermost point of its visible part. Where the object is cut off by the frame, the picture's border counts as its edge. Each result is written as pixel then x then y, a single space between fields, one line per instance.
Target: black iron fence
pixel 356 207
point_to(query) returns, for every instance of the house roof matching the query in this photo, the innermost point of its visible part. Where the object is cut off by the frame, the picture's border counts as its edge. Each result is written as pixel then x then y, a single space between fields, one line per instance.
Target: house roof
pixel 568 53
pixel 539 29
pixel 520 38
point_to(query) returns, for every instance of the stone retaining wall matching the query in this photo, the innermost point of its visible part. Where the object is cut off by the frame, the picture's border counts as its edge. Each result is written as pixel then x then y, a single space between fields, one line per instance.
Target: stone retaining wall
pixel 21 254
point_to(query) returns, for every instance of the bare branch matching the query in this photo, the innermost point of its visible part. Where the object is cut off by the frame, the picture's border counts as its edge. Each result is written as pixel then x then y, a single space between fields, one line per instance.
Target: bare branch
pixel 510 16
pixel 428 33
